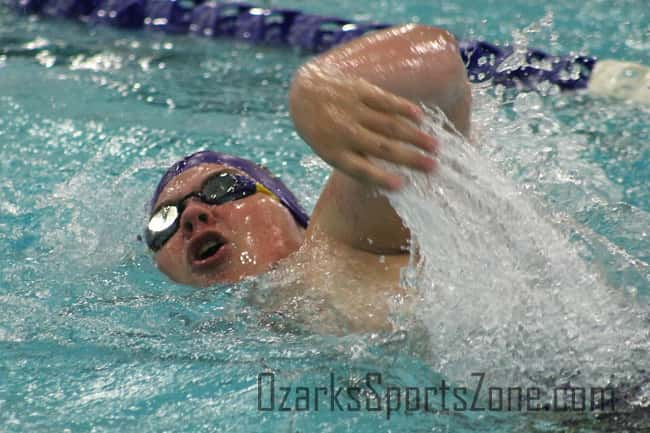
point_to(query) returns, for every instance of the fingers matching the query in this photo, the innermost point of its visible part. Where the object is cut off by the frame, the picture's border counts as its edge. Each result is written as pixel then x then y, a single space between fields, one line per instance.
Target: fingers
pixel 378 99
pixel 379 146
pixel 363 170
pixel 398 128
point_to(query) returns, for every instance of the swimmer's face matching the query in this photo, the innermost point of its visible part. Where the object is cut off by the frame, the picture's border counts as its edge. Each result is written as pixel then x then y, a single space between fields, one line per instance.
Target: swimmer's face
pixel 252 233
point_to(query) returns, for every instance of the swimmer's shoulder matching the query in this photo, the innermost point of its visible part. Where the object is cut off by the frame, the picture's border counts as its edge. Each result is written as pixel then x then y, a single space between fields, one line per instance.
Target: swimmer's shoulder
pixel 328 287
pixel 323 254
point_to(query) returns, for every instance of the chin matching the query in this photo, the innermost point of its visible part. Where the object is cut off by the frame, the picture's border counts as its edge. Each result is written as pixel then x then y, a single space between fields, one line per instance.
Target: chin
pixel 204 281
pixel 230 277
pixel 222 273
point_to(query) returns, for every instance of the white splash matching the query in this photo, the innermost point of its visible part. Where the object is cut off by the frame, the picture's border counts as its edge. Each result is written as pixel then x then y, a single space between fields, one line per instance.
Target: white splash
pixel 502 289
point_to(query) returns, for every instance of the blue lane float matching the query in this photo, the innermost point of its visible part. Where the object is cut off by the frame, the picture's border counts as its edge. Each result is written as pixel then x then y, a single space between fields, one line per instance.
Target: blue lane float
pixel 307 32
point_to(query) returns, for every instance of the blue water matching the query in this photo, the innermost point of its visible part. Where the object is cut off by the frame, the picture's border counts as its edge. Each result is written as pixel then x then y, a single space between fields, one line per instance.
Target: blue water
pixel 93 337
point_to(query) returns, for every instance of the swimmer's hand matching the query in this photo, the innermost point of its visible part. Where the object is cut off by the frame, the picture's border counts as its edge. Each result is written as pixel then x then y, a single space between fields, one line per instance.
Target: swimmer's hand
pixel 347 119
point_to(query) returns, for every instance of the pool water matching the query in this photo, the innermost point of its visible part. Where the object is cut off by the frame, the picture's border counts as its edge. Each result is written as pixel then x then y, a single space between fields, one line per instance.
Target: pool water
pixel 93 337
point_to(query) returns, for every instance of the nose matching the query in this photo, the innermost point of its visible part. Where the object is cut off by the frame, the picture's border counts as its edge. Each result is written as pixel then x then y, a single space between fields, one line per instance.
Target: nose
pixel 195 215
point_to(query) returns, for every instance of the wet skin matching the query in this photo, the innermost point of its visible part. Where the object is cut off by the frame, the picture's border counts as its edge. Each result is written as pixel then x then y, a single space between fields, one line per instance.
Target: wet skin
pixel 224 243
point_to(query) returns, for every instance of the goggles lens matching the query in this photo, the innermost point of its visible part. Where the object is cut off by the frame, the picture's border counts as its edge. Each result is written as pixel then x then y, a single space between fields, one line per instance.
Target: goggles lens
pixel 226 187
pixel 217 189
pixel 163 219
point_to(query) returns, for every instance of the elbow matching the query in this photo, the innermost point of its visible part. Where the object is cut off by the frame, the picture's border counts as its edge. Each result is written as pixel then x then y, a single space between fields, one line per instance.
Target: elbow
pixel 305 92
pixel 297 92
pixel 440 75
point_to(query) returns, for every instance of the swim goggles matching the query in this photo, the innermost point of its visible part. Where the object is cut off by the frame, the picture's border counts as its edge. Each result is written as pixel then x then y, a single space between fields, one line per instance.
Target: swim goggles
pixel 218 188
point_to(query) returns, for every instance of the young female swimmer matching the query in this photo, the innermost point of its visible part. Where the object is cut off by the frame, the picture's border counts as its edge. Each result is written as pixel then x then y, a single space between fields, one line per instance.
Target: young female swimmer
pixel 217 218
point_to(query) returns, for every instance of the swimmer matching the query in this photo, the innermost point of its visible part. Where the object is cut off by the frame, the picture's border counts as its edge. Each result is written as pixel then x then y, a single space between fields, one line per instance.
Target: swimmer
pixel 217 218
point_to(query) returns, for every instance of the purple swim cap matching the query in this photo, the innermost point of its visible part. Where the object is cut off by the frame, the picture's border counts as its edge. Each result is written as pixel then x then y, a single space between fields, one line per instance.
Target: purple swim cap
pixel 256 172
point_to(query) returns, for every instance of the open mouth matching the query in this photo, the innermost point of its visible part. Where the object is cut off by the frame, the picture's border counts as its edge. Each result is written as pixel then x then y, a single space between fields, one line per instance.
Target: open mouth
pixel 207 250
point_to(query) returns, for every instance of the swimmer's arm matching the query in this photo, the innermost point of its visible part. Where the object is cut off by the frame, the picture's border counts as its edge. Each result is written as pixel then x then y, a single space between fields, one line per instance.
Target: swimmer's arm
pixel 361 99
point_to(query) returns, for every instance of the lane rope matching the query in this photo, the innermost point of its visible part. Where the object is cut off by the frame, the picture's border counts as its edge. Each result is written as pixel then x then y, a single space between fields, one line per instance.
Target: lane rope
pixel 307 32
